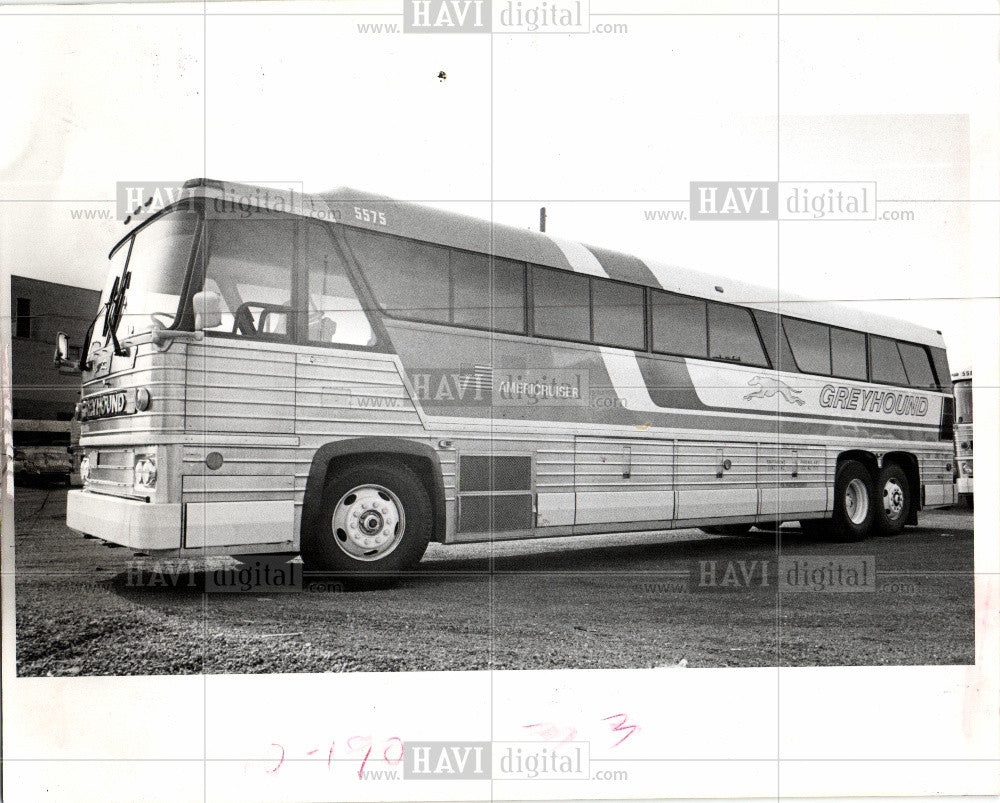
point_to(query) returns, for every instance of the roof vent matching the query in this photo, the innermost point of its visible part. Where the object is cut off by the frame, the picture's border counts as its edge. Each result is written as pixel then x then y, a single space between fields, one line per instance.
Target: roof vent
pixel 718 289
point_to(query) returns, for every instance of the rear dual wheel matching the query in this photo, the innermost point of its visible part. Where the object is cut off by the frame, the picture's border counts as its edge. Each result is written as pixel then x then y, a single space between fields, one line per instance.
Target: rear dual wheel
pixel 892 511
pixel 864 505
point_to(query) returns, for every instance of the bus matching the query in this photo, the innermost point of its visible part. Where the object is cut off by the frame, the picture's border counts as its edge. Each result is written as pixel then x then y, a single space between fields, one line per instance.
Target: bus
pixel 962 385
pixel 347 377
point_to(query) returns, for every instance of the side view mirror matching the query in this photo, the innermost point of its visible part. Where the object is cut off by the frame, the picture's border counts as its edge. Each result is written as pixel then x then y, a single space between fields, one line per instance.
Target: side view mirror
pixel 207 310
pixel 61 357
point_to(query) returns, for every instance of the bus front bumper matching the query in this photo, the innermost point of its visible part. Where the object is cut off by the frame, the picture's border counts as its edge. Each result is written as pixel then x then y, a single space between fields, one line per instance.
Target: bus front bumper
pixel 128 522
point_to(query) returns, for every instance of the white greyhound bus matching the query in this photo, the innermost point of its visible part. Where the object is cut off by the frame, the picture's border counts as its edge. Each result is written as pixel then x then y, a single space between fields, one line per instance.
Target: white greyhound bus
pixel 348 377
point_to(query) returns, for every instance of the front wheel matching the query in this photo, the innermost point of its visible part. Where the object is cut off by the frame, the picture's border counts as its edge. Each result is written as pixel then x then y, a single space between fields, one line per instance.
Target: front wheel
pixel 892 509
pixel 374 521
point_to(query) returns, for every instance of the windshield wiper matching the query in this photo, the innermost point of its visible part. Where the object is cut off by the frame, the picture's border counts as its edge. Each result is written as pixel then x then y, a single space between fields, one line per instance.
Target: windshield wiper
pixel 115 298
pixel 84 364
pixel 116 306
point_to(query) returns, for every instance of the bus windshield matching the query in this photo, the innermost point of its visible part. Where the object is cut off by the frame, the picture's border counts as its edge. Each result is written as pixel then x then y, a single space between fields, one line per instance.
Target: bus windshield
pixel 963 402
pixel 154 275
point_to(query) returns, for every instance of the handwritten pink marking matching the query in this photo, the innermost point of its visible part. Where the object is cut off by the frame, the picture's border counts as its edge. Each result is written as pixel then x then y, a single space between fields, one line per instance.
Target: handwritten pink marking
pixel 621 726
pixel 550 731
pixel 368 742
pixel 280 761
pixel 385 753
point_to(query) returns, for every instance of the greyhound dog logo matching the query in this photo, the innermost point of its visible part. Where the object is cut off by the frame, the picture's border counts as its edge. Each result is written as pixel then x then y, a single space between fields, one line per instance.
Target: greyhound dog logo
pixel 768 387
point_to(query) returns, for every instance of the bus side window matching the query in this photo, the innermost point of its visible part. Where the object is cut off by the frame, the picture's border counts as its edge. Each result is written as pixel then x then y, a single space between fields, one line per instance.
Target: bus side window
pixel 409 278
pixel 334 311
pixel 561 304
pixel 810 344
pixel 848 349
pixel 917 365
pixel 250 267
pixel 478 303
pixel 679 324
pixel 619 314
pixel 887 365
pixel 733 337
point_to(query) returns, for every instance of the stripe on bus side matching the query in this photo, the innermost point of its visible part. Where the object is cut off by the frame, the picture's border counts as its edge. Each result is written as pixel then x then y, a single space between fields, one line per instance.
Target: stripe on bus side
pixel 625 267
pixel 643 392
pixel 621 365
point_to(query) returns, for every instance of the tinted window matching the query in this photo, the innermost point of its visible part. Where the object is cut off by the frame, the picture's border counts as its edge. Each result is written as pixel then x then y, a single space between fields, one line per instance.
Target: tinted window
pixel 733 337
pixel 848 354
pixel 917 365
pixel 619 314
pixel 887 366
pixel 679 325
pixel 470 292
pixel 561 304
pixel 939 359
pixel 333 313
pixel 810 344
pixel 508 295
pixel 409 279
pixel 470 288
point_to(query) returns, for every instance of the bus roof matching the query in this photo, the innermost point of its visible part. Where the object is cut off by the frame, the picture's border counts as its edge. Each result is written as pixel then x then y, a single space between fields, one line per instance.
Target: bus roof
pixel 407 219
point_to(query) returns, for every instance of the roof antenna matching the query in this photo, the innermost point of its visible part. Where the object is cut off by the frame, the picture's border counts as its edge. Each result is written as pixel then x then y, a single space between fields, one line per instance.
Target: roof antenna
pixel 541 219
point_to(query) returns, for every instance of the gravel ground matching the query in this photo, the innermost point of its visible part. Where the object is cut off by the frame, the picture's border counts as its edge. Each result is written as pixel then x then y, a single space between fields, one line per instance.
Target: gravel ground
pixel 624 600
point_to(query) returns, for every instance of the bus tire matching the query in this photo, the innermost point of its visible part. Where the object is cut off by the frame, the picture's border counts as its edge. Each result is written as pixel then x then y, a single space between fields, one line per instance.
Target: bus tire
pixel 854 503
pixel 892 499
pixel 727 529
pixel 375 521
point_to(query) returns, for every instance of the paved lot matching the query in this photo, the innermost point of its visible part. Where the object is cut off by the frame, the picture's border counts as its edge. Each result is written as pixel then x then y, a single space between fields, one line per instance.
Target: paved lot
pixel 597 601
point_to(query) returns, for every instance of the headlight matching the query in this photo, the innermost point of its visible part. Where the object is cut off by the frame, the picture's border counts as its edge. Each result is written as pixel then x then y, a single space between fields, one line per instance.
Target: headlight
pixel 967 468
pixel 145 470
pixel 85 469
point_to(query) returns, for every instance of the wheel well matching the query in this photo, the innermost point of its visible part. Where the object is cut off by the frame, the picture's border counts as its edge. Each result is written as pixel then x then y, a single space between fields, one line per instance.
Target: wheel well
pixel 905 460
pixel 867 459
pixel 418 457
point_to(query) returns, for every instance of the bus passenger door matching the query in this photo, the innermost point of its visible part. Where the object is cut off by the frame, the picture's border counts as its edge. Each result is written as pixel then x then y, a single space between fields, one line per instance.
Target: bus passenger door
pixel 619 480
pixel 716 480
pixel 793 479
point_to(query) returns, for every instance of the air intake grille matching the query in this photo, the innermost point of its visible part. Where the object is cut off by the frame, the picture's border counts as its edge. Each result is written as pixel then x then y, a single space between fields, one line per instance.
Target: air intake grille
pixel 494 473
pixel 495 493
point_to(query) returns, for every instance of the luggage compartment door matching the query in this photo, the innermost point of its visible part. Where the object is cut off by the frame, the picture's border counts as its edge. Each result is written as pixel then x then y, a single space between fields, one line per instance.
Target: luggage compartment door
pixel 716 479
pixel 619 480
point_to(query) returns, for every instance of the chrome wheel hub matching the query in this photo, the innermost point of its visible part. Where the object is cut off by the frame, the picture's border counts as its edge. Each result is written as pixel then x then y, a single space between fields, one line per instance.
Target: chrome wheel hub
pixel 856 501
pixel 368 522
pixel 892 499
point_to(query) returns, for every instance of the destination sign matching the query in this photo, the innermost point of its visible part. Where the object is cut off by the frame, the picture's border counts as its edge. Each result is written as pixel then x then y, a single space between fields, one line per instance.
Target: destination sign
pixel 106 405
